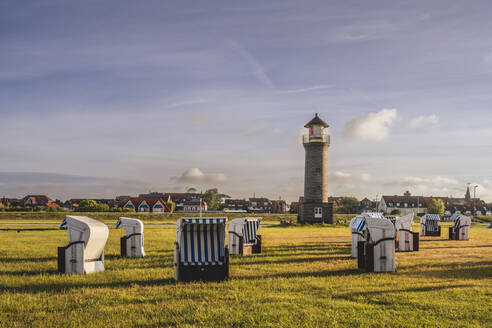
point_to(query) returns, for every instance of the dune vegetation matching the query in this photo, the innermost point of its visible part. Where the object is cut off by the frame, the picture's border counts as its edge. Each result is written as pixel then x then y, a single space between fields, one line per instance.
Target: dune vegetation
pixel 303 278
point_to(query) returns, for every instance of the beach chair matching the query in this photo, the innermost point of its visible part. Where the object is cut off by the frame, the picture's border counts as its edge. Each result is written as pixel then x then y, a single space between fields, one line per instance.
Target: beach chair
pixel 85 251
pixel 460 229
pixel 243 236
pixel 408 241
pixel 378 253
pixel 199 251
pixel 429 225
pixel 357 227
pixel 132 244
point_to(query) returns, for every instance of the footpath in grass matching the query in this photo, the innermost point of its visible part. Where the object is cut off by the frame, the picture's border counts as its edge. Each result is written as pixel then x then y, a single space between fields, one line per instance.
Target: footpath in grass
pixel 304 278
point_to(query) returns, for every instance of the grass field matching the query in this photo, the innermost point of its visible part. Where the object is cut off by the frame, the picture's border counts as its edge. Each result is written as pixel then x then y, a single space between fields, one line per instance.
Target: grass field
pixel 304 278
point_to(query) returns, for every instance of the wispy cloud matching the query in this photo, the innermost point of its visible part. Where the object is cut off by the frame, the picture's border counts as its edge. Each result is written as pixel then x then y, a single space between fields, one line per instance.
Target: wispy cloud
pixel 256 68
pixel 308 89
pixel 372 126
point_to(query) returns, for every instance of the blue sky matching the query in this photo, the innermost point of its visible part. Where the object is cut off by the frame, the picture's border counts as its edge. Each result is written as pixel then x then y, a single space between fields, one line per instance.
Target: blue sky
pixel 121 97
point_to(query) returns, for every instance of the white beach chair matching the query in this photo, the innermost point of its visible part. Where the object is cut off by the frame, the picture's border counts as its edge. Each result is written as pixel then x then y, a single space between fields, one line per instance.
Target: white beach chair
pixel 429 225
pixel 132 244
pixel 85 251
pixel 243 236
pixel 460 229
pixel 199 251
pixel 379 248
pixel 408 241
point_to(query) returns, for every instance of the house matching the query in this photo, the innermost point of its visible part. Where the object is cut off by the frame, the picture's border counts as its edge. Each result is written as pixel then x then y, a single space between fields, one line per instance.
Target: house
pixel 237 204
pixel 279 206
pixel 146 204
pixel 177 197
pixel 405 204
pixel 37 200
pixel 194 206
pixel 260 205
pixel 366 205
pixel 10 201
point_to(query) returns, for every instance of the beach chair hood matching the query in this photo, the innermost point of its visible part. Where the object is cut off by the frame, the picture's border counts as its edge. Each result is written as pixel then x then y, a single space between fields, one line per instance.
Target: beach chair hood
pixel 429 217
pixel 462 221
pixel 93 233
pixel 130 225
pixel 379 229
pixel 246 227
pixel 404 222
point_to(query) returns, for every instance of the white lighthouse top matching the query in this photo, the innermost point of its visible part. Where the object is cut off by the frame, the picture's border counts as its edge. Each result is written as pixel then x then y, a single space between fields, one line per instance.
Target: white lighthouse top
pixel 316 127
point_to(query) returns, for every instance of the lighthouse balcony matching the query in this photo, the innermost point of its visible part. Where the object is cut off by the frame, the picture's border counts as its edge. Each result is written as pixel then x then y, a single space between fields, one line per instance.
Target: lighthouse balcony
pixel 325 138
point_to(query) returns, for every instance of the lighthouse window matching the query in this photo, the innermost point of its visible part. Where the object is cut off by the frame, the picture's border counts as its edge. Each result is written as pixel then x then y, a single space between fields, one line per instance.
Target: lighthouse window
pixel 318 170
pixel 318 212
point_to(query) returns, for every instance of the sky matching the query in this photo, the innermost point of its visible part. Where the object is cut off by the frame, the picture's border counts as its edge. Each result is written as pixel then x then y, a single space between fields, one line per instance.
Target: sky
pixel 99 99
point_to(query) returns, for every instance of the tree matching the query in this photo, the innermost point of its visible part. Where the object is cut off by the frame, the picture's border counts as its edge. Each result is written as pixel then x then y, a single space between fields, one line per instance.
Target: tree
pixel 89 205
pixel 436 206
pixel 212 198
pixel 348 203
pixel 395 212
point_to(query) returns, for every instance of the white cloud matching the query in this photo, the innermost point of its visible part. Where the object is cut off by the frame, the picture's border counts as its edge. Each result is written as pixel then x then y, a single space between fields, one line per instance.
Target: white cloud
pixel 372 126
pixel 252 129
pixel 340 177
pixel 422 182
pixel 488 58
pixel 197 119
pixel 195 175
pixel 276 131
pixel 424 121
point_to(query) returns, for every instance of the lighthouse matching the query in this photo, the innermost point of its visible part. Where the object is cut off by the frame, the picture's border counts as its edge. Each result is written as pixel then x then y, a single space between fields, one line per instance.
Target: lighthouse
pixel 315 207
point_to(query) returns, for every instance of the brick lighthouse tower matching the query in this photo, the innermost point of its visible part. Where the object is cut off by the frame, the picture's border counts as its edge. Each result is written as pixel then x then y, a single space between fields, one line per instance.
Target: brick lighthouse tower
pixel 315 207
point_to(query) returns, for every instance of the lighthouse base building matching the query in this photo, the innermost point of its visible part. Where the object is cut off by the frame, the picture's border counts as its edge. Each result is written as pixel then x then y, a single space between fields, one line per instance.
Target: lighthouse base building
pixel 315 213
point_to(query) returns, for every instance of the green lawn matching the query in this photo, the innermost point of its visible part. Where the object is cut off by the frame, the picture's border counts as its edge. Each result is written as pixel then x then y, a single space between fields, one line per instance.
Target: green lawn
pixel 303 278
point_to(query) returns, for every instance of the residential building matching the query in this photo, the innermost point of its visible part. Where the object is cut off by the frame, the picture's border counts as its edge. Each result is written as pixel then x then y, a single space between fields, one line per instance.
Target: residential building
pixel 37 200
pixel 260 205
pixel 279 206
pixel 237 204
pixel 146 204
pixel 194 206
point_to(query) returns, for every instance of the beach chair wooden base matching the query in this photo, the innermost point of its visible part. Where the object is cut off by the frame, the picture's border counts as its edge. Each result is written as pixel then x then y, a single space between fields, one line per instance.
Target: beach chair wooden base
pixel 125 241
pixel 189 273
pixel 455 234
pixel 71 258
pixel 433 233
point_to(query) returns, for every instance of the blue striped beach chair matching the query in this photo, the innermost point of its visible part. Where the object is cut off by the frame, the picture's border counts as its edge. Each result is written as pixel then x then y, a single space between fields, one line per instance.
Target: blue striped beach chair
pixel 199 251
pixel 243 236
pixel 429 225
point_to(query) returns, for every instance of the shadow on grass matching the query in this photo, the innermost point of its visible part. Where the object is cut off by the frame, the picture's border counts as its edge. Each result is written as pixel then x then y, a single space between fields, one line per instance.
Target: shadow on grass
pixel 374 293
pixel 317 274
pixel 27 273
pixel 27 259
pixel 319 246
pixel 27 229
pixel 296 260
pixel 445 247
pixel 67 286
